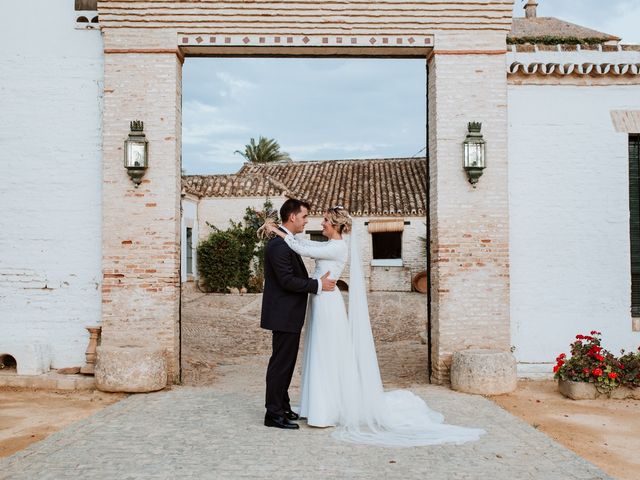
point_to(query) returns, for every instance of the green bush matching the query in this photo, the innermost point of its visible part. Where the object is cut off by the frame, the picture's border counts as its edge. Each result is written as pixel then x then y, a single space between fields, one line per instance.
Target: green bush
pixel 234 258
pixel 555 40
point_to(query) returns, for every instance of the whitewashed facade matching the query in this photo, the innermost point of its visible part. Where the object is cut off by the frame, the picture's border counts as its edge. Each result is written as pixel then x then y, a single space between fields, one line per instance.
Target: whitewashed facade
pixel 50 164
pixel 569 207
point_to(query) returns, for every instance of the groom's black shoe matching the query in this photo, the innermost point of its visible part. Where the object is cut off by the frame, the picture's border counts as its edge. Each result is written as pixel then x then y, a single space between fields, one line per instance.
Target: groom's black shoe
pixel 280 422
pixel 291 415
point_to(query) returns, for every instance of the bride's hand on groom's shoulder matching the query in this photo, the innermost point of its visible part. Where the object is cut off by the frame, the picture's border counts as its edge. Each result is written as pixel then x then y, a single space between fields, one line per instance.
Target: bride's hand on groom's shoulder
pixel 268 229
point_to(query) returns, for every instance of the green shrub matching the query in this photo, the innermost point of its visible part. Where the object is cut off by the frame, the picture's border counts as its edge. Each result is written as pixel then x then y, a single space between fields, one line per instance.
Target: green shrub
pixel 234 258
pixel 555 40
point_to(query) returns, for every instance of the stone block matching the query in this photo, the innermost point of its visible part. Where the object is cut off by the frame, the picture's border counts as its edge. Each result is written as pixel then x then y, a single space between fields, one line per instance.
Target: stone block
pixel 577 390
pixel 130 369
pixel 485 372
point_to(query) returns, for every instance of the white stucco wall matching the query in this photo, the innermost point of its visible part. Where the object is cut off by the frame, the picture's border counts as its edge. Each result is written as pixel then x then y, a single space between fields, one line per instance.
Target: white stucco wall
pixel 50 220
pixel 569 219
pixel 217 211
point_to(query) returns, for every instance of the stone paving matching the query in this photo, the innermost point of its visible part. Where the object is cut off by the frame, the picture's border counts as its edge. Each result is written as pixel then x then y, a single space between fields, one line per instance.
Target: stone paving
pixel 216 432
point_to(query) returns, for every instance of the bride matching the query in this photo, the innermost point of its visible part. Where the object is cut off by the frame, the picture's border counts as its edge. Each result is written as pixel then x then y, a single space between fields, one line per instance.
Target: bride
pixel 341 384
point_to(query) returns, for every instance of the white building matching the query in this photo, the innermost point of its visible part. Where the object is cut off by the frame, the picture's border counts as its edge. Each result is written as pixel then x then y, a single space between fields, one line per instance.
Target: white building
pixel 69 259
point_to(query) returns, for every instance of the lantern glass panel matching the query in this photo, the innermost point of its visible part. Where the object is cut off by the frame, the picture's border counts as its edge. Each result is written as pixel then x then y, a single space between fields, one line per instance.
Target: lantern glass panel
pixel 136 154
pixel 474 154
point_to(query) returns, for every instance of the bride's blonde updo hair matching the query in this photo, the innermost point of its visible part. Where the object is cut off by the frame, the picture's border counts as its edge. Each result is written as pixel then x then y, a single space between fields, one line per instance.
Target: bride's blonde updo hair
pixel 340 219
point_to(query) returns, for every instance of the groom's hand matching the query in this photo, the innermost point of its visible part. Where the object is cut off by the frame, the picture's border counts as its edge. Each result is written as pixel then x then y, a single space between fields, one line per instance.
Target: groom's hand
pixel 328 285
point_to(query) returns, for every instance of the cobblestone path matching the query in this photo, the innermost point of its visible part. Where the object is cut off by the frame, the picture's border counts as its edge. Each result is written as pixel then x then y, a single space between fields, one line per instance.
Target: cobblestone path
pixel 216 432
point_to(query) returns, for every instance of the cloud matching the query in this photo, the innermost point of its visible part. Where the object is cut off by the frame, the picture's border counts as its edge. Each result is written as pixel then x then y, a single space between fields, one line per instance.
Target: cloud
pixel 306 150
pixel 234 87
pixel 624 21
pixel 315 108
pixel 615 17
pixel 203 123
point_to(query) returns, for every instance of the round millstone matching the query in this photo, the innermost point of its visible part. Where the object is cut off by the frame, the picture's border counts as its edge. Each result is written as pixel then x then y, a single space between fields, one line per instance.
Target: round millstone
pixel 130 369
pixel 485 372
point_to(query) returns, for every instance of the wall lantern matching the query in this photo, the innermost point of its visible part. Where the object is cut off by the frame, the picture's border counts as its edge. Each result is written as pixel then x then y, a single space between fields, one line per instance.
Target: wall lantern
pixel 136 150
pixel 474 153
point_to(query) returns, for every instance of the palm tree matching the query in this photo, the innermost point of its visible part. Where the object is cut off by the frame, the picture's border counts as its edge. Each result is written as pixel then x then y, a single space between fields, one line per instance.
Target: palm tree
pixel 265 151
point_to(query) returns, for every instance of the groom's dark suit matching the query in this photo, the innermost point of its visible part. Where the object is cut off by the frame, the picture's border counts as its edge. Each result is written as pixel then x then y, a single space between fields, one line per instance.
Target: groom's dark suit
pixel 284 305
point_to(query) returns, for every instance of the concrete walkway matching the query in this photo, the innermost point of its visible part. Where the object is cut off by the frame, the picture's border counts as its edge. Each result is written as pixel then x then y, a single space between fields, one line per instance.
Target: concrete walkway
pixel 217 432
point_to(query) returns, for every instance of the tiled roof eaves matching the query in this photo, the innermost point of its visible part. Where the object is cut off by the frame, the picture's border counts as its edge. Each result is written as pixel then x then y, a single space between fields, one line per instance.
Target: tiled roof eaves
pixel 371 187
pixel 580 69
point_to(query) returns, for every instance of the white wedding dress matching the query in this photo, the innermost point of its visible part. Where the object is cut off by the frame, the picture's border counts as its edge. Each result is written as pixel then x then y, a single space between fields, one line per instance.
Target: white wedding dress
pixel 341 384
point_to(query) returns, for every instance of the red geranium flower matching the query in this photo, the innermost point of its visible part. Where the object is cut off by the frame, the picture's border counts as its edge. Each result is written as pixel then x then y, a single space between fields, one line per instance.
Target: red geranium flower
pixel 556 368
pixel 585 370
pixel 597 372
pixel 599 358
pixel 613 375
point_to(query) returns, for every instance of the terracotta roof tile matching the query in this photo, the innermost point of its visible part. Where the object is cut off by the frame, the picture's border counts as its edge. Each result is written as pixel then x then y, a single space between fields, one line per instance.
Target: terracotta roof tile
pixel 553 27
pixel 232 186
pixel 383 187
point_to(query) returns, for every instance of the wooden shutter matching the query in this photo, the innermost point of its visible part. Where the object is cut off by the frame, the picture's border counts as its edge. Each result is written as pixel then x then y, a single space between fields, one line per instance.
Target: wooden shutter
pixel 634 221
pixel 386 225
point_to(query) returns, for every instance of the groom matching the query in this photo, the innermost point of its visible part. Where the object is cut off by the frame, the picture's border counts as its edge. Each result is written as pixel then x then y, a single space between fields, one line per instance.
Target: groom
pixel 284 304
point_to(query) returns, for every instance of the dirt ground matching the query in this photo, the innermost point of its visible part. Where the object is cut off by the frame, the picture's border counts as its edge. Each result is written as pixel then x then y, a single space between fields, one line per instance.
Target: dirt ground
pixel 27 416
pixel 605 432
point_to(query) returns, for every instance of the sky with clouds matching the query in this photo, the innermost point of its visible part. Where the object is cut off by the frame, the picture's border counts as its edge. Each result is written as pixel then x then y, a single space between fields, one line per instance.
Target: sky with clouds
pixel 324 109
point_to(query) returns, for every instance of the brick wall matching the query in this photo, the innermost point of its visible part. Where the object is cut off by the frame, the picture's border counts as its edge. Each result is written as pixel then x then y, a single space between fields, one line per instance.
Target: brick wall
pixel 141 226
pixel 142 81
pixel 469 227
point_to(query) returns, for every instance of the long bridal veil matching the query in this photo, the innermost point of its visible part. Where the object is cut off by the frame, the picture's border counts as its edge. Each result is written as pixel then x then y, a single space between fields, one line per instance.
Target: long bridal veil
pixel 370 415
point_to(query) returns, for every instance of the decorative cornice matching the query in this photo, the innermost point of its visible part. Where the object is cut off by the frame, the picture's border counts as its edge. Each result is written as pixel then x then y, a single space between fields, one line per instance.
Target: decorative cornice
pixel 313 40
pixel 578 69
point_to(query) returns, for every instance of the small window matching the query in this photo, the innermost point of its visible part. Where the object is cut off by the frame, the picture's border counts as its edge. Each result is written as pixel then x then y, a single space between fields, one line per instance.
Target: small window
pixel 316 236
pixel 387 245
pixel 634 221
pixel 189 251
pixel 86 5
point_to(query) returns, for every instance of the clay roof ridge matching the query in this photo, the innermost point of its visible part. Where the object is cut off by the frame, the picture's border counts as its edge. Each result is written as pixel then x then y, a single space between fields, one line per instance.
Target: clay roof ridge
pixel 554 27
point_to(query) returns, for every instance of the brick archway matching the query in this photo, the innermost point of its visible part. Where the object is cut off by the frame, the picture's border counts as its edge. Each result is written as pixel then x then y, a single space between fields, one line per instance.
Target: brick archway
pixel 464 43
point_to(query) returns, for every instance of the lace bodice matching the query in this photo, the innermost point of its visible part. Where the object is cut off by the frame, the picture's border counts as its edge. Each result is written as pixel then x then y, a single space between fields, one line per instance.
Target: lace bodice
pixel 329 256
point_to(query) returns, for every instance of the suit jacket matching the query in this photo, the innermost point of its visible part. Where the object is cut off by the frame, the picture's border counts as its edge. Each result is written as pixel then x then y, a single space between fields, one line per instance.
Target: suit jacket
pixel 286 288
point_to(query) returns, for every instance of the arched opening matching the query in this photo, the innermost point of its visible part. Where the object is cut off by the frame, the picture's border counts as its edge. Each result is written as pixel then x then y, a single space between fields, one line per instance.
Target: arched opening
pixel 8 363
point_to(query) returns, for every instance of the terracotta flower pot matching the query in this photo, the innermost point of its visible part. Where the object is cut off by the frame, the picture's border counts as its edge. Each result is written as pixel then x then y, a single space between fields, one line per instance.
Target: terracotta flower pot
pixel 588 391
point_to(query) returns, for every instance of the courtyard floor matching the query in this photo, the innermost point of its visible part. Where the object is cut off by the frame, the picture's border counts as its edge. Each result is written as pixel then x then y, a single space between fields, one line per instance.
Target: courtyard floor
pixel 217 432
